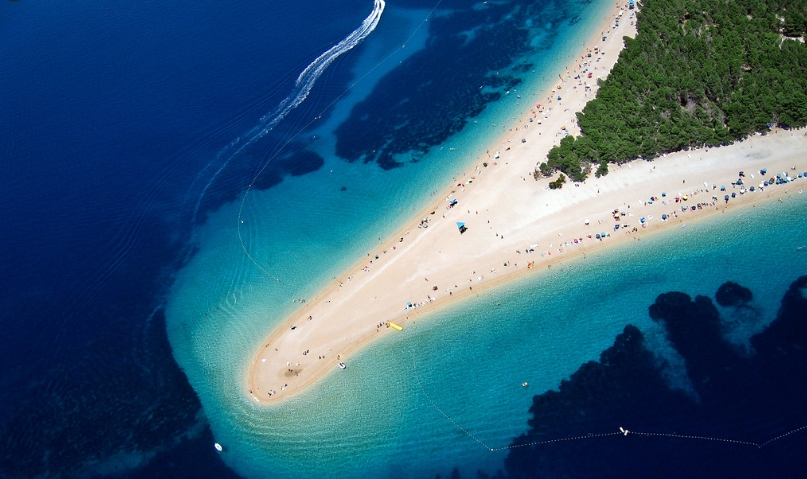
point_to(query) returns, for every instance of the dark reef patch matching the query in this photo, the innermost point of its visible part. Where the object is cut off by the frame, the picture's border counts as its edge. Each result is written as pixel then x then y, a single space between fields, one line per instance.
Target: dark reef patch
pixel 728 428
pixel 473 49
pixel 295 162
pixel 732 294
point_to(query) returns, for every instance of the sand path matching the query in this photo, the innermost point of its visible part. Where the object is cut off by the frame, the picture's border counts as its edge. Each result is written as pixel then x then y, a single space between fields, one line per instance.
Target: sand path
pixel 515 226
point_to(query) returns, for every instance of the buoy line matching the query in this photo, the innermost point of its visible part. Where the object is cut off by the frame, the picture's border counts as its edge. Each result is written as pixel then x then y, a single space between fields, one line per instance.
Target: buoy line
pixel 373 19
pixel 621 432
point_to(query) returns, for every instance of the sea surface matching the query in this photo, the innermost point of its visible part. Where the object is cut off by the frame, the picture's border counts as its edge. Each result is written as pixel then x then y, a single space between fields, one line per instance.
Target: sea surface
pixel 177 176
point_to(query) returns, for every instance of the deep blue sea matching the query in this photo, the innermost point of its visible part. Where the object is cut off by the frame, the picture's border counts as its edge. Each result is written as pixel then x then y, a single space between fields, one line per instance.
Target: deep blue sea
pixel 135 138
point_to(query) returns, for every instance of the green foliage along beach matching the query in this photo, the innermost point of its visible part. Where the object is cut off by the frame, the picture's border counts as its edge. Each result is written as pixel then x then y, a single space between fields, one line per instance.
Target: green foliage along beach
pixel 699 73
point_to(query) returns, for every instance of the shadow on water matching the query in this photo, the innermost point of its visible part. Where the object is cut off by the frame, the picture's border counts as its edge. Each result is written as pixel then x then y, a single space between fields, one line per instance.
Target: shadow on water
pixel 744 417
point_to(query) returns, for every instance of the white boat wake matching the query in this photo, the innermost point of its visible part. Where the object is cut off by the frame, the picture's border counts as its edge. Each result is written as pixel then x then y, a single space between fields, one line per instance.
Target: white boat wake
pixel 302 87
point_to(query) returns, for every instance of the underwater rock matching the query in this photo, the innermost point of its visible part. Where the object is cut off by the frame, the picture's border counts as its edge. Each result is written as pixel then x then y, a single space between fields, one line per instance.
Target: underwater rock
pixel 732 294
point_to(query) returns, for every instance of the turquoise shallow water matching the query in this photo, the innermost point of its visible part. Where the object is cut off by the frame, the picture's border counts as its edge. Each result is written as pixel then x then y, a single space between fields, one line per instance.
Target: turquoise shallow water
pixel 406 400
pixel 449 389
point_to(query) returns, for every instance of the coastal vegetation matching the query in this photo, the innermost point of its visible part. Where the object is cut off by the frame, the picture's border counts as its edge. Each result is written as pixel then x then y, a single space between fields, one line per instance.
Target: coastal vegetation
pixel 699 73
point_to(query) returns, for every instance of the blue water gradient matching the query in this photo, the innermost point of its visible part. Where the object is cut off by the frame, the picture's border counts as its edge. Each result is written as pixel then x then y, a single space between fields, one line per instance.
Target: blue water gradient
pixel 130 311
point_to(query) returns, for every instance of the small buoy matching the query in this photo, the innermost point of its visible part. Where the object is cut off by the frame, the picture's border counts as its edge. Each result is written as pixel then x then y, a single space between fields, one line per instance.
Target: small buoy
pixel 524 384
pixel 218 447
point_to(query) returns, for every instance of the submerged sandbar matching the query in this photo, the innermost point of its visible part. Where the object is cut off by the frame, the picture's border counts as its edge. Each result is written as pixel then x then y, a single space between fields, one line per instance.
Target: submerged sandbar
pixel 515 225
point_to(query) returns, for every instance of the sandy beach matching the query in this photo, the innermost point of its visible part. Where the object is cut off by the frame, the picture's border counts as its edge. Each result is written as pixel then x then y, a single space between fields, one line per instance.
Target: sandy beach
pixel 515 225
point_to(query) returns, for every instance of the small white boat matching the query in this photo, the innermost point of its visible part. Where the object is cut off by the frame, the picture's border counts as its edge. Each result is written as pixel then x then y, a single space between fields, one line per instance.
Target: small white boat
pixel 342 365
pixel 218 447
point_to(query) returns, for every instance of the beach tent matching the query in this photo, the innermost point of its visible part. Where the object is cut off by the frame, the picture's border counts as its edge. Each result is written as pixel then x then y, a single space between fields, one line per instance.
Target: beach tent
pixel 461 227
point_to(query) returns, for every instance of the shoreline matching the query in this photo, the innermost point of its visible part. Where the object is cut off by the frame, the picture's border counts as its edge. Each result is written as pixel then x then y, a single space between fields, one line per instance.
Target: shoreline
pixel 343 318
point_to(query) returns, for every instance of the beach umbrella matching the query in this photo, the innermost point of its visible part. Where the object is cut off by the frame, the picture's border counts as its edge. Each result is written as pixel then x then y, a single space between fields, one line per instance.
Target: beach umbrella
pixel 663 194
pixel 642 220
pixel 726 198
pixel 664 217
pixel 752 188
pixel 739 182
pixel 734 195
pixel 597 236
pixel 763 170
pixel 722 188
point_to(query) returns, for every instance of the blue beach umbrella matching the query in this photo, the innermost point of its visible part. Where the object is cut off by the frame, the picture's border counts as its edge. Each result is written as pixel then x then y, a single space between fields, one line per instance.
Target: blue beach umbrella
pixel 664 216
pixel 726 198
pixel 642 220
